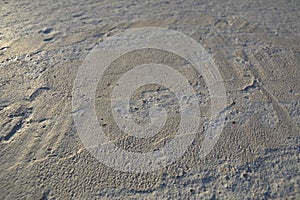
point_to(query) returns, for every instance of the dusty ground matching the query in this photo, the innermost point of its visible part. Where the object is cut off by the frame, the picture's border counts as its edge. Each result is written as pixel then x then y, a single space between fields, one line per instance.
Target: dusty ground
pixel 255 46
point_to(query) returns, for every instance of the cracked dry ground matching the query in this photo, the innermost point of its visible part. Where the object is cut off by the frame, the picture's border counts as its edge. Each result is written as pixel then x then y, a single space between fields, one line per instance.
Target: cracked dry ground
pixel 256 48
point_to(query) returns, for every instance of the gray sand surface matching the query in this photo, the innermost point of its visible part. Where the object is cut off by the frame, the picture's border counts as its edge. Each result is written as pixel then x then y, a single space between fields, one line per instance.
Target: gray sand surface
pixel 256 46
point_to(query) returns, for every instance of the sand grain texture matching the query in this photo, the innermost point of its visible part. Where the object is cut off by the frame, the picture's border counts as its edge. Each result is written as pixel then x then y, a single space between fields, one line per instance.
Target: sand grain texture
pixel 256 48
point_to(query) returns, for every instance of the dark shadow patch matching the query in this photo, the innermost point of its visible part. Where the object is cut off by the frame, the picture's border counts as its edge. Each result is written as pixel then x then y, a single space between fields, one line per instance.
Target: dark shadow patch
pixel 17 127
pixel 37 92
pixel 48 39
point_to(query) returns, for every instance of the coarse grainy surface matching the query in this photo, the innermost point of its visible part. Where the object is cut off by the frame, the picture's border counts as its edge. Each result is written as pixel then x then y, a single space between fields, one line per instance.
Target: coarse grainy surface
pixel 256 47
